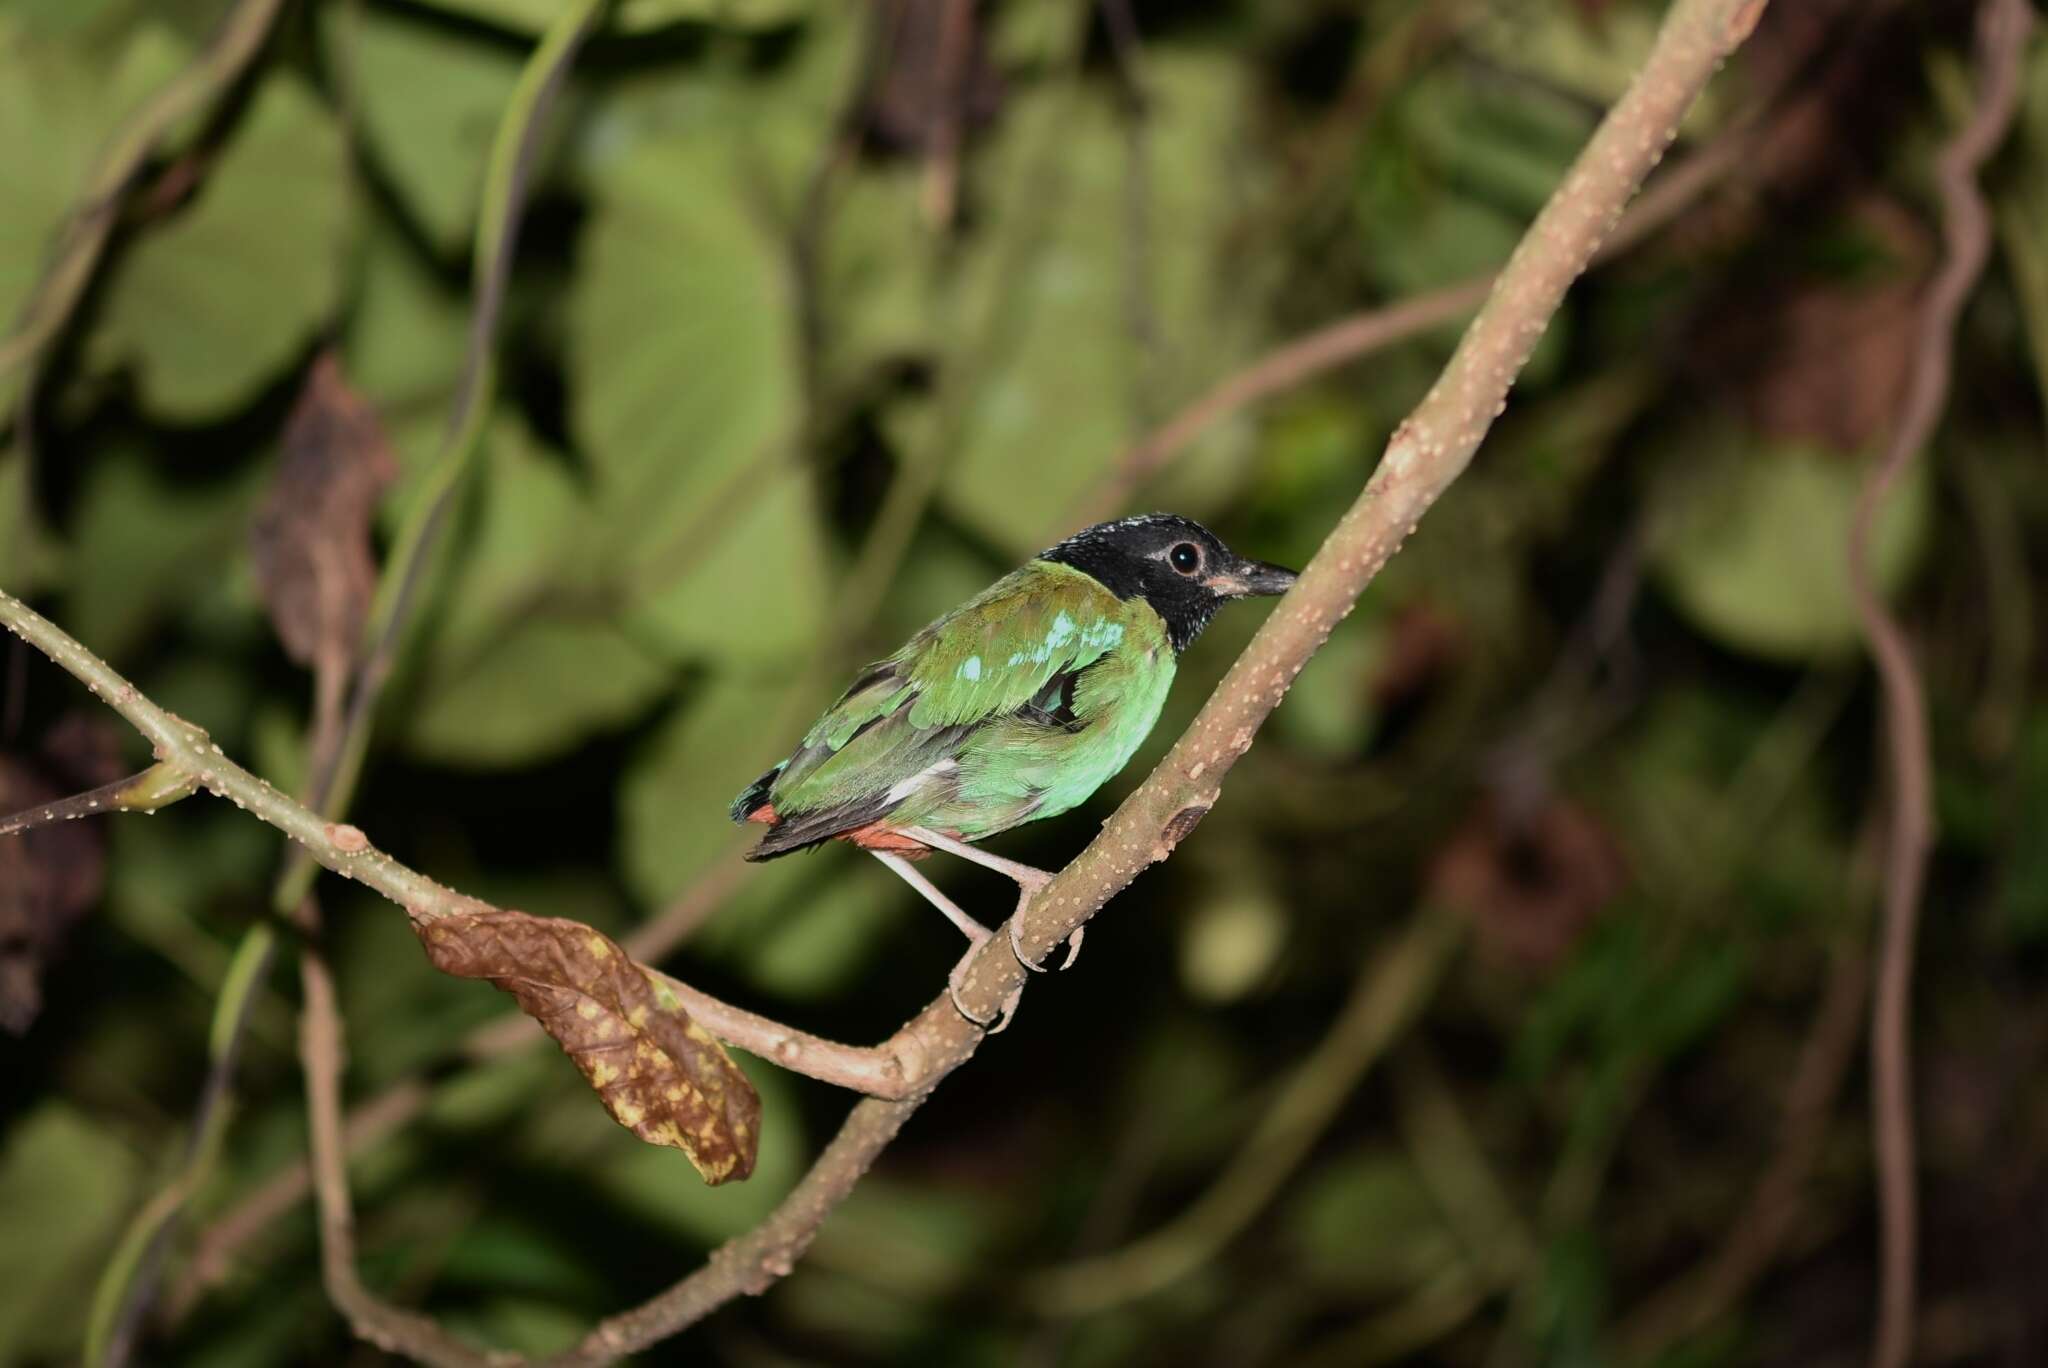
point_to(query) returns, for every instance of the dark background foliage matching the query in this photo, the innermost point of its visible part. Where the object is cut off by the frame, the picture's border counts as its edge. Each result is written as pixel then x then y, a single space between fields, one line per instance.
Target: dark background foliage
pixel 814 329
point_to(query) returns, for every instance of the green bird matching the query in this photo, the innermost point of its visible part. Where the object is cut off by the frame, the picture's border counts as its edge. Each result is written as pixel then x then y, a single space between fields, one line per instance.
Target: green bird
pixel 1016 705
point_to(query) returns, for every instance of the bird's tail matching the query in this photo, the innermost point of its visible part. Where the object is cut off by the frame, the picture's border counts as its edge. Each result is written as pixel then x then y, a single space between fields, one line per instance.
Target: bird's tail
pixel 753 805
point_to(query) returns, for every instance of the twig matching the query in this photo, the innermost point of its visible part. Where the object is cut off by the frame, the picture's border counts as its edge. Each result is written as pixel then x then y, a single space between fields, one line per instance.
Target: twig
pixel 891 1069
pixel 1966 232
pixel 386 1326
pixel 1301 360
pixel 371 1121
pixel 1390 989
pixel 507 173
pixel 78 250
pixel 940 192
pixel 1426 454
pixel 121 1300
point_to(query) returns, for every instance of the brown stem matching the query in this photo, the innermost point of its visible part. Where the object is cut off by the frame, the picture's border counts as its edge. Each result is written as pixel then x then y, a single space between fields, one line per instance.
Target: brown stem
pixel 1966 233
pixel 397 1331
pixel 1361 334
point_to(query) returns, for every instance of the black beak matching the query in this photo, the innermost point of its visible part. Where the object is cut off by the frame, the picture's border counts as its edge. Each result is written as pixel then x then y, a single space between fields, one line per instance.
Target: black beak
pixel 1252 579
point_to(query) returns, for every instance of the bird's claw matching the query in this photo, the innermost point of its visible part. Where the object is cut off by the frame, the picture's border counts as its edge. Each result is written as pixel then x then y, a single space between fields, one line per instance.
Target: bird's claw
pixel 1017 946
pixel 1001 1017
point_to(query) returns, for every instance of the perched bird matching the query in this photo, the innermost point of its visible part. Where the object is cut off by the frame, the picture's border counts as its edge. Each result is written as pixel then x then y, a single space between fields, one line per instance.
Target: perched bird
pixel 1016 705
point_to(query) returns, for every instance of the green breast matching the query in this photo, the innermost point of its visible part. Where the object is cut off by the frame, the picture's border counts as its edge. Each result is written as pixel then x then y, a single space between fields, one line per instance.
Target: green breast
pixel 1018 769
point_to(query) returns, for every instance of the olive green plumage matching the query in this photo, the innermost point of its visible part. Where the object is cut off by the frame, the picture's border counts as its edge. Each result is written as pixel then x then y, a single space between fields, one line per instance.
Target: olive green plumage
pixel 1020 703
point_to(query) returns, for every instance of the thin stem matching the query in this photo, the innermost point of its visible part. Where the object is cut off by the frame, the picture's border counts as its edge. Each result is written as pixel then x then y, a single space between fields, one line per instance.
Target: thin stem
pixel 321 1051
pixel 1966 233
pixel 1350 339
pixel 507 174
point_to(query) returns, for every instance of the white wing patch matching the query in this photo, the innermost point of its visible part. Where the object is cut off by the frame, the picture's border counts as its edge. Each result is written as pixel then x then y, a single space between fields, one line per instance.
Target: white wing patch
pixel 903 788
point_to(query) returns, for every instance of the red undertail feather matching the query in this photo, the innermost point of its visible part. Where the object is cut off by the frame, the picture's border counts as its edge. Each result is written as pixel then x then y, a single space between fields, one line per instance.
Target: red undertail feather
pixel 882 836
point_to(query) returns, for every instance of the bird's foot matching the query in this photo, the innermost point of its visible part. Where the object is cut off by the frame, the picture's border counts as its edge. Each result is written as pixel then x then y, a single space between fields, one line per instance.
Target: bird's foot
pixel 957 980
pixel 1025 892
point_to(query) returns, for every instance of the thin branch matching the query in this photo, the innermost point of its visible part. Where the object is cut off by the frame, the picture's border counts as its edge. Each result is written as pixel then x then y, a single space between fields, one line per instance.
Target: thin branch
pixel 370 1122
pixel 894 1068
pixel 123 795
pixel 507 174
pixel 1361 334
pixel 1966 232
pixel 1391 987
pixel 389 1328
pixel 78 250
pixel 121 1301
pixel 1426 454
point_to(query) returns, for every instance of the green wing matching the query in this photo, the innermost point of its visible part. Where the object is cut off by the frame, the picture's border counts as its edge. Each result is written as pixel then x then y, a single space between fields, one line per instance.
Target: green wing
pixel 1013 652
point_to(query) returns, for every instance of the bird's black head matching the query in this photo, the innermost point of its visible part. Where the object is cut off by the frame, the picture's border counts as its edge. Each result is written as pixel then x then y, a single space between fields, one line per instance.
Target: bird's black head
pixel 1175 564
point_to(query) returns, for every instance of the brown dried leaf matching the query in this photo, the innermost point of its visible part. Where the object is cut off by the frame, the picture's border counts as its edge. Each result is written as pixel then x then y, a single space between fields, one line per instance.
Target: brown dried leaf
pixel 935 77
pixel 1532 884
pixel 311 538
pixel 49 878
pixel 660 1075
pixel 1823 359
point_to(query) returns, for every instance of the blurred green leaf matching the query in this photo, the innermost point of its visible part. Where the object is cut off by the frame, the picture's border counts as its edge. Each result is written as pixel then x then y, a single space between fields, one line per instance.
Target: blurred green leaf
pixel 673 802
pixel 1330 709
pixel 1366 1224
pixel 685 399
pixel 916 1239
pixel 1571 1301
pixel 65 1186
pixel 1753 543
pixel 524 661
pixel 408 332
pixel 1044 311
pixel 877 288
pixel 212 303
pixel 59 103
pixel 429 97
pixel 2023 215
pixel 1625 1000
pixel 146 547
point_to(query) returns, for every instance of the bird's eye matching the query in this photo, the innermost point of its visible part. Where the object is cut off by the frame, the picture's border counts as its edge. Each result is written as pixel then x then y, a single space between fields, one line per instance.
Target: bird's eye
pixel 1185 558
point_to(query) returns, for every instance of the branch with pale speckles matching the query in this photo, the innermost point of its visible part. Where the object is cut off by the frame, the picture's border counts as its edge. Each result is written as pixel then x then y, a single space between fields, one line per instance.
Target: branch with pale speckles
pixel 889 1070
pixel 1426 454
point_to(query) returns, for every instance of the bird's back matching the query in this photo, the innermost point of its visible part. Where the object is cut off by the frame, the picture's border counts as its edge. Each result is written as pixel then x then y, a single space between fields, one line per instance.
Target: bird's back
pixel 1018 704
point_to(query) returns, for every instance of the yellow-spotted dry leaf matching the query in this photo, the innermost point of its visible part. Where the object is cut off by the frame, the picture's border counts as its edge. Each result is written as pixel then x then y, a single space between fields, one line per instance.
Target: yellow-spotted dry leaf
pixel 660 1075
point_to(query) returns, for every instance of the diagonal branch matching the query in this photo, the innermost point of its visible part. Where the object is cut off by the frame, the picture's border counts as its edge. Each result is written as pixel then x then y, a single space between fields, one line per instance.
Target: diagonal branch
pixel 1966 233
pixel 1426 454
pixel 1359 335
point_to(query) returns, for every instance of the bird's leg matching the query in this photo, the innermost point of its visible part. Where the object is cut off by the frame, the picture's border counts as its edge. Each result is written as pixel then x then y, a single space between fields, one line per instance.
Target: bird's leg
pixel 1029 879
pixel 969 927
